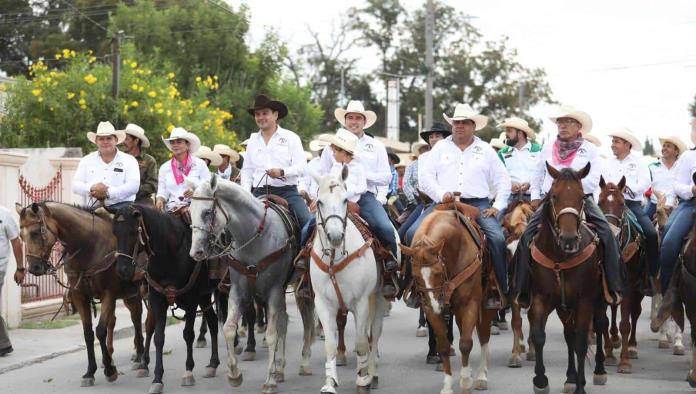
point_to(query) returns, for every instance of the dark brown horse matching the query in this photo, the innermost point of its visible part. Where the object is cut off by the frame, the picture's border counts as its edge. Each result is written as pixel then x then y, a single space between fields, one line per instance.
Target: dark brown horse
pixel 89 264
pixel 447 271
pixel 566 276
pixel 612 203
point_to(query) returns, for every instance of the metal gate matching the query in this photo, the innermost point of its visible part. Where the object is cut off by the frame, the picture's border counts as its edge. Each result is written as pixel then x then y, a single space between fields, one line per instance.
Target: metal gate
pixel 36 288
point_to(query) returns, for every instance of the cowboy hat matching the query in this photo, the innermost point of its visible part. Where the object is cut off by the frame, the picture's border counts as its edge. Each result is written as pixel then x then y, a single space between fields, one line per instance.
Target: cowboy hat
pixel 627 135
pixel 519 124
pixel 437 127
pixel 345 140
pixel 319 142
pixel 204 152
pixel 262 101
pixel 676 141
pixel 416 147
pixel 181 133
pixel 224 150
pixel 395 158
pixel 497 143
pixel 104 129
pixel 355 107
pixel 583 118
pixel 136 131
pixel 463 112
pixel 593 139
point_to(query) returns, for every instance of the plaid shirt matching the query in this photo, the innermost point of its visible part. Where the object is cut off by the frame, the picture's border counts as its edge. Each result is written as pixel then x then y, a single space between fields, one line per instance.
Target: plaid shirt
pixel 394 183
pixel 411 182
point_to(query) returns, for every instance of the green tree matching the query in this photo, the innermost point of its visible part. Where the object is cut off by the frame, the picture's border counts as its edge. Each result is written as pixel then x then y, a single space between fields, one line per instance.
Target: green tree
pixel 648 148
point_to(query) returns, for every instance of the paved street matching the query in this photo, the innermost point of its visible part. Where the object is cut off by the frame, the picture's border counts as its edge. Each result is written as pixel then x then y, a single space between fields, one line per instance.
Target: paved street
pixel 403 368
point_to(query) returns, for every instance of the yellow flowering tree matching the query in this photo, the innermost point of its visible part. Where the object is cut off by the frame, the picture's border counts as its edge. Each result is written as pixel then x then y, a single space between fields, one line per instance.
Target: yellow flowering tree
pixel 57 107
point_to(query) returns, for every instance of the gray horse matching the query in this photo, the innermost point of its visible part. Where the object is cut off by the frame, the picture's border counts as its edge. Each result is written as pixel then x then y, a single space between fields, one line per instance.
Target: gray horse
pixel 262 253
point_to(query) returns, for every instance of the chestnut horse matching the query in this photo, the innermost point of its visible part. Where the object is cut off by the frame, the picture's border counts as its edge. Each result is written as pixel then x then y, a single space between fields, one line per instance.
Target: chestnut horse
pixel 565 274
pixel 612 203
pixel 448 274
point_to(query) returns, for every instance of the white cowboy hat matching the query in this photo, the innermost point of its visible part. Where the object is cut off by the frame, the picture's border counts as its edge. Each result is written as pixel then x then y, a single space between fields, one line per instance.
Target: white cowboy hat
pixel 627 135
pixel 416 147
pixel 137 132
pixel 104 129
pixel 181 133
pixel 319 142
pixel 567 111
pixel 205 152
pixel 593 139
pixel 225 150
pixel 464 111
pixel 345 140
pixel 497 143
pixel 355 107
pixel 519 124
pixel 676 141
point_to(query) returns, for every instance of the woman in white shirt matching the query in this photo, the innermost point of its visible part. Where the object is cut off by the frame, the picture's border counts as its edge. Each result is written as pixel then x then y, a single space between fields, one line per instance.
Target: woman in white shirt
pixel 172 192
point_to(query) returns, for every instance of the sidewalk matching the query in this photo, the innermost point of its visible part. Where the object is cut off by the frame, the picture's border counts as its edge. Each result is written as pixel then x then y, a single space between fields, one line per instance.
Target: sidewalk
pixel 33 346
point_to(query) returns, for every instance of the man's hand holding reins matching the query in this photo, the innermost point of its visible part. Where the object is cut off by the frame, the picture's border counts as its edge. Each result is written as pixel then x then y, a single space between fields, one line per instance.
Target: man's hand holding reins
pixel 488 212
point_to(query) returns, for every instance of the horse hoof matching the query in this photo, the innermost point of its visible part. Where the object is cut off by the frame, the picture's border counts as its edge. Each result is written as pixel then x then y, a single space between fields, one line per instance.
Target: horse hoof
pixel 135 366
pixel 269 389
pixel 156 388
pixel 692 382
pixel 515 362
pixel 599 380
pixel 142 373
pixel 87 382
pixel 624 368
pixel 610 361
pixel 545 390
pixel 480 384
pixel 662 344
pixel 531 357
pixel 633 353
pixel 569 387
pixel 188 381
pixel 305 370
pixel 134 357
pixel 242 332
pixel 362 389
pixel 523 348
pixel 210 372
pixel 439 367
pixel 374 385
pixel 503 326
pixel 248 356
pixel 495 330
pixel 421 332
pixel 238 349
pixel 235 382
pixel 260 329
pixel 616 343
pixel 279 377
pixel 678 350
pixel 341 360
pixel 433 359
pixel 112 378
pixel 201 343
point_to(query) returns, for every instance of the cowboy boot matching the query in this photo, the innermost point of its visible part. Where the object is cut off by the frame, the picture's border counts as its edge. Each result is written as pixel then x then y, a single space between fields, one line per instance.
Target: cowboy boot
pixel 390 287
pixel 669 299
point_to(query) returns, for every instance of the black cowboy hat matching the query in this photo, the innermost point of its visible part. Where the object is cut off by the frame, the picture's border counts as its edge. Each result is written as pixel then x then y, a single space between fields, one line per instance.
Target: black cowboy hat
pixel 262 101
pixel 393 156
pixel 437 127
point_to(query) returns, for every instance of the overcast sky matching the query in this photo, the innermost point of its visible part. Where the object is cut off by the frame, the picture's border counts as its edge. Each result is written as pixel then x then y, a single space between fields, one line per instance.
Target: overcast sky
pixel 626 62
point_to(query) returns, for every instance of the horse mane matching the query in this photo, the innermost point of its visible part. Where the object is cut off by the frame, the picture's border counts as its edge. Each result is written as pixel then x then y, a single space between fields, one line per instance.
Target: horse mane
pixel 568 174
pixel 82 208
pixel 160 224
pixel 226 188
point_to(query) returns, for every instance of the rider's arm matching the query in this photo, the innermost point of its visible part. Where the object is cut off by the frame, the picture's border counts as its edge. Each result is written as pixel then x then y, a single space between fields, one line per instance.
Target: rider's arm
pixel 381 175
pixel 683 169
pixel 162 191
pixel 538 174
pixel 326 161
pixel 427 180
pixel 298 161
pixel 591 182
pixel 80 184
pixel 499 176
pixel 131 183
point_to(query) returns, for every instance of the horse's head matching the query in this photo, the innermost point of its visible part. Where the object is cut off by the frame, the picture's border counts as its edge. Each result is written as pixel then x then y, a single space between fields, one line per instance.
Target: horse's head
pixel 612 202
pixel 208 218
pixel 129 229
pixel 38 234
pixel 428 269
pixel 332 206
pixel 566 203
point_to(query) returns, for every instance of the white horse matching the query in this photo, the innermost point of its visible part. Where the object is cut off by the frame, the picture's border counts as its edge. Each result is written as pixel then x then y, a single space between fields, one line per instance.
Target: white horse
pixel 352 282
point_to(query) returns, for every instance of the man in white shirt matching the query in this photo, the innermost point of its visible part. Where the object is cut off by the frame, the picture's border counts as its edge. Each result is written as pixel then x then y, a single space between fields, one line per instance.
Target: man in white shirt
pixel 630 165
pixel 108 174
pixel 9 240
pixel 275 158
pixel 569 150
pixel 463 163
pixel 661 174
pixel 520 156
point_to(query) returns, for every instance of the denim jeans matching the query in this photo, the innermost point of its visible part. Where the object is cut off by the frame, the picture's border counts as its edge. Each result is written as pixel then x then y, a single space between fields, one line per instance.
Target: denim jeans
pixel 650 209
pixel 678 226
pixel 296 203
pixel 650 234
pixel 410 220
pixel 374 214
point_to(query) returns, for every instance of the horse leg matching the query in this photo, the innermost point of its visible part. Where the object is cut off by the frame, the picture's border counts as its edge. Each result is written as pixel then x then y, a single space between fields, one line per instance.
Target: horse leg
pixel 200 341
pixel 436 321
pixel 517 336
pixel 282 330
pixel 571 373
pixel 421 331
pixel 249 314
pixel 691 377
pixel 361 315
pixel 635 314
pixel 341 321
pixel 601 327
pixel 189 335
pixel 483 327
pixel 276 317
pixel 143 370
pixel 614 331
pixel 583 320
pixel 538 314
pixel 260 311
pixel 82 306
pixel 210 318
pixel 609 358
pixel 159 309
pixel 625 327
pixel 678 347
pixel 326 312
pixel 105 318
pixel 306 308
pixel 378 306
pixel 433 357
pixel 135 307
pixel 229 329
pixel 110 333
pixel 467 316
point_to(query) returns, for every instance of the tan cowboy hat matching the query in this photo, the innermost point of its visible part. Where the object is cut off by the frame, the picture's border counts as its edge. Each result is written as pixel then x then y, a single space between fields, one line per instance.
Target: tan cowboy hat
pixel 627 135
pixel 136 131
pixel 225 150
pixel 676 141
pixel 416 147
pixel 519 124
pixel 593 139
pixel 497 143
pixel 583 118
pixel 464 111
pixel 319 142
pixel 181 133
pixel 355 107
pixel 345 140
pixel 205 152
pixel 104 129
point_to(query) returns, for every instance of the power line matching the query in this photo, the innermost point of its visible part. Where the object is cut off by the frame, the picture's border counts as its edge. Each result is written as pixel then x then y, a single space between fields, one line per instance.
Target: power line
pixel 88 18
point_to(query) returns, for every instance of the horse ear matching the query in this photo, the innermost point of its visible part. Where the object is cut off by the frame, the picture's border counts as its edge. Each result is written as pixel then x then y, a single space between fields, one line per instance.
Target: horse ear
pixel 406 250
pixel 586 170
pixel 622 183
pixel 35 207
pixel 18 208
pixel 437 248
pixel 552 171
pixel 344 173
pixel 601 182
pixel 213 182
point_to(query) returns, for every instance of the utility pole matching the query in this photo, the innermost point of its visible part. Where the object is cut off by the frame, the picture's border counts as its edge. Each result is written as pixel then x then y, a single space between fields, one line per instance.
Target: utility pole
pixel 116 62
pixel 429 27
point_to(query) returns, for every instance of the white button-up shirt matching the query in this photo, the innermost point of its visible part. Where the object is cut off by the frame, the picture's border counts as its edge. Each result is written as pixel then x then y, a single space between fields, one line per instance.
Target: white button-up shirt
pixel 521 163
pixel 663 182
pixel 468 171
pixel 307 182
pixel 8 232
pixel 372 154
pixel 121 175
pixel 587 152
pixel 683 171
pixel 172 193
pixel 356 183
pixel 284 150
pixel 634 169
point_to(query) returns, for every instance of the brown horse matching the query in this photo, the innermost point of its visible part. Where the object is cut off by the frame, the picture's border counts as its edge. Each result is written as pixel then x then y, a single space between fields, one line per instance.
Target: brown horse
pixel 89 265
pixel 515 223
pixel 612 203
pixel 448 273
pixel 565 276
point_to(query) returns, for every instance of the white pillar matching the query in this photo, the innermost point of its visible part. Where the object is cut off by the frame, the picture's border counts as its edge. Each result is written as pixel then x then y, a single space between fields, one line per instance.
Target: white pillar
pixel 69 166
pixel 11 297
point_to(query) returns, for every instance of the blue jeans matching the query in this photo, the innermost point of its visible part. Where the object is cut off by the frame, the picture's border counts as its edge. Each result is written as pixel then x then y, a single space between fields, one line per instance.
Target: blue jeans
pixel 296 203
pixel 410 220
pixel 650 209
pixel 412 230
pixel 380 225
pixel 119 205
pixel 678 226
pixel 649 232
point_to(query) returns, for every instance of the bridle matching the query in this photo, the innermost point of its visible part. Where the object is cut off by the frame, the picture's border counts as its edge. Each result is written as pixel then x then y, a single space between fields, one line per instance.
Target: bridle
pixel 322 223
pixel 143 240
pixel 45 230
pixel 556 216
